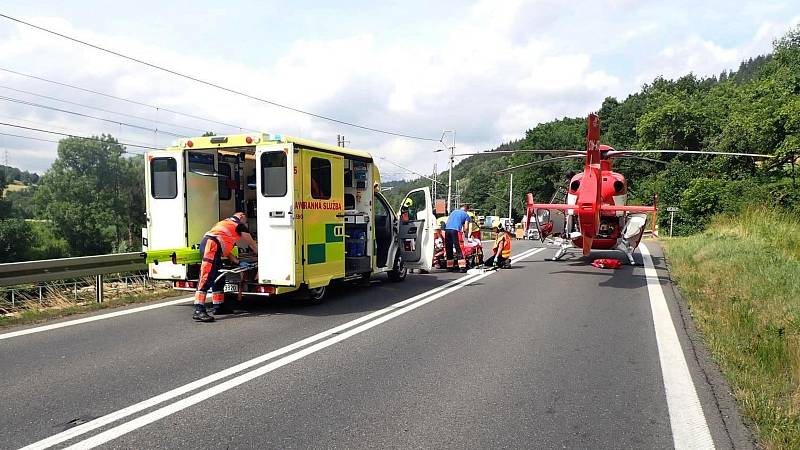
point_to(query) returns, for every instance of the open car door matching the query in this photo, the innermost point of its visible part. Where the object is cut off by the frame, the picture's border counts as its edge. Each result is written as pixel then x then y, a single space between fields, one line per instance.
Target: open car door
pixel 416 227
pixel 275 169
pixel 166 209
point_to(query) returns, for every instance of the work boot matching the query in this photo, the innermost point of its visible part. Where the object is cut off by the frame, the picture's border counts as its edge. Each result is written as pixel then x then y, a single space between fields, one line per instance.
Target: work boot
pixel 200 314
pixel 221 309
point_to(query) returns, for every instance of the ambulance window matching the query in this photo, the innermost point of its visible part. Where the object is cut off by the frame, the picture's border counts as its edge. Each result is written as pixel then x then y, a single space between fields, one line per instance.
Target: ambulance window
pixel 164 177
pixel 273 174
pixel 320 178
pixel 381 212
pixel 224 187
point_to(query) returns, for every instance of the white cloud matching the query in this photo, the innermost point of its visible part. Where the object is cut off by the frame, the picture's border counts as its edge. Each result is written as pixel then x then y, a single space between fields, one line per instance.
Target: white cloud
pixel 500 68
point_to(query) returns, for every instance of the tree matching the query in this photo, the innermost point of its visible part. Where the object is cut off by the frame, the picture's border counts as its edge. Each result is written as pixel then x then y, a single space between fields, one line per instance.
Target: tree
pixel 93 195
pixel 15 240
pixel 5 205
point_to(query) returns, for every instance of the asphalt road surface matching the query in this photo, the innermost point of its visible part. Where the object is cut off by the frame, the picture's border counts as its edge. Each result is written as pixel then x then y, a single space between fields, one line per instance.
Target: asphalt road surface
pixel 543 355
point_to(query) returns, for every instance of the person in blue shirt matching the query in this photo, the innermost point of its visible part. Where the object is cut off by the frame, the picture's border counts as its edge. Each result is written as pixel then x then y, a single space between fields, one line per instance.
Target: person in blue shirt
pixel 455 225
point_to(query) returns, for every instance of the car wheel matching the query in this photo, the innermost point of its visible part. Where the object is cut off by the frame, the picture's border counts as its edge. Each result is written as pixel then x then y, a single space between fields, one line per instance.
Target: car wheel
pixel 399 272
pixel 315 296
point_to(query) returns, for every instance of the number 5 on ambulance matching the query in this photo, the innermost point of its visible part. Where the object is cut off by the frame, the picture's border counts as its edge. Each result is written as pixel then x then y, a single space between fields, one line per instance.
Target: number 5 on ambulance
pixel 315 209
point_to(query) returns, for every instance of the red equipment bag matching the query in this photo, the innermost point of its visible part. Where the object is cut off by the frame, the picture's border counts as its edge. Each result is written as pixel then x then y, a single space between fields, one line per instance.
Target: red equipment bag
pixel 607 263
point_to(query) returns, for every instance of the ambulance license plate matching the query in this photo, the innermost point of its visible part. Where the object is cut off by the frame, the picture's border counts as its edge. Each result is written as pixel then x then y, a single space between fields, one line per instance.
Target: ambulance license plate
pixel 230 287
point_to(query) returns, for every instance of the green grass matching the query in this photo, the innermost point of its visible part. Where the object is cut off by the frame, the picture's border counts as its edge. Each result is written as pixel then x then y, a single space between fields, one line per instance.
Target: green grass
pixel 34 315
pixel 741 278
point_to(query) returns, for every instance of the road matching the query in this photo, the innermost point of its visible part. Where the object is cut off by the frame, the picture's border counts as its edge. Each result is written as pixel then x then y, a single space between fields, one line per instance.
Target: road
pixel 543 355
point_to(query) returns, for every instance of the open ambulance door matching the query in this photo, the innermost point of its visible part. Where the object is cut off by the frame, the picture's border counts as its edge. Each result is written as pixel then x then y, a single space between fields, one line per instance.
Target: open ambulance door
pixel 166 209
pixel 275 169
pixel 416 227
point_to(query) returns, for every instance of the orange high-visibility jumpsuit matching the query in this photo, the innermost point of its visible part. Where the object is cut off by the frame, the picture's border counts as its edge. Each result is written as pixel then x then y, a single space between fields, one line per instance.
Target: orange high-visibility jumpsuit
pixel 216 244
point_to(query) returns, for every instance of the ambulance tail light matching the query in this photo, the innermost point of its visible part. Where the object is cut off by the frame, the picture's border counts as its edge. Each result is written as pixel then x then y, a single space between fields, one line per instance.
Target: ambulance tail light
pixel 185 285
pixel 261 289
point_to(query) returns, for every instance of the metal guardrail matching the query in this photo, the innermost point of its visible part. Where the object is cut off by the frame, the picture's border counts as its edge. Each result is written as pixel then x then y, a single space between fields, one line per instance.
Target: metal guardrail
pixel 12 274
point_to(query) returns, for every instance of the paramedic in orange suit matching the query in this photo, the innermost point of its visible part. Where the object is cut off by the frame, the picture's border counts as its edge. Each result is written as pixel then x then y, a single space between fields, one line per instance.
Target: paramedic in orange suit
pixel 218 243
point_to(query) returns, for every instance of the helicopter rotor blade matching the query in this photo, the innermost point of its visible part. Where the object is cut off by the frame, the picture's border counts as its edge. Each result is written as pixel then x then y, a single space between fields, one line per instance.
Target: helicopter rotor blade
pixel 545 152
pixel 540 161
pixel 641 158
pixel 693 152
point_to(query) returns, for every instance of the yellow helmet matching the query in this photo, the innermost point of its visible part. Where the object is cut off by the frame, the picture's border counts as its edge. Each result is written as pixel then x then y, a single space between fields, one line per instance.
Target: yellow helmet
pixel 408 203
pixel 496 224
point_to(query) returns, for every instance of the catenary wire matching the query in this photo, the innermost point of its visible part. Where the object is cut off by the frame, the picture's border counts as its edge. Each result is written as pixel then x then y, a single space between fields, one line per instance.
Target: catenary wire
pixel 214 85
pixel 28 137
pixel 22 91
pixel 123 99
pixel 74 131
pixel 75 136
pixel 116 122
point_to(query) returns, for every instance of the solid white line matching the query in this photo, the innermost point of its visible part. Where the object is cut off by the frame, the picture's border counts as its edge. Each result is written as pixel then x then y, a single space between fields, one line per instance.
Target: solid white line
pixel 182 404
pixel 689 427
pixel 70 323
pixel 174 393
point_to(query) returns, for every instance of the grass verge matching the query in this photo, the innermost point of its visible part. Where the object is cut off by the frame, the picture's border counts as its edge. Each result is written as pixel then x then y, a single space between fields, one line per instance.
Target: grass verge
pixel 34 315
pixel 741 279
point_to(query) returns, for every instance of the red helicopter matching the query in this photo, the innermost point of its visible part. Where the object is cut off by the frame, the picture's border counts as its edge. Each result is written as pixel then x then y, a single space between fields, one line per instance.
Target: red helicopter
pixel 596 214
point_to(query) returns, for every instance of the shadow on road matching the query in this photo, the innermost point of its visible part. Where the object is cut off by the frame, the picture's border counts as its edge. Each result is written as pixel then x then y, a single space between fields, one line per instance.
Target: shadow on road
pixel 342 298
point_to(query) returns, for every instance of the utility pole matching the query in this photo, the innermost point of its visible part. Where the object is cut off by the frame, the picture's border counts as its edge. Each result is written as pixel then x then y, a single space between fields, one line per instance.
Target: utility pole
pixel 450 172
pixel 510 193
pixel 433 185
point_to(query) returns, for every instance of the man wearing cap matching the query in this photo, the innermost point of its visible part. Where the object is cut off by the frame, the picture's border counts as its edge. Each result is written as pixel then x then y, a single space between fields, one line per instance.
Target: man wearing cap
pixel 218 243
pixel 456 224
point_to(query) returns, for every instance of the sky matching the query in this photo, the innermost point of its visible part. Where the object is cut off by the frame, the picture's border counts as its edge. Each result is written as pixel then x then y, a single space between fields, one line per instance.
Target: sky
pixel 489 70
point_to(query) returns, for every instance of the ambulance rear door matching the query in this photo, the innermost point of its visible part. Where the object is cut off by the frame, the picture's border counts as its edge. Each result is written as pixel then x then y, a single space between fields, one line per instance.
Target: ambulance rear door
pixel 416 227
pixel 165 173
pixel 275 170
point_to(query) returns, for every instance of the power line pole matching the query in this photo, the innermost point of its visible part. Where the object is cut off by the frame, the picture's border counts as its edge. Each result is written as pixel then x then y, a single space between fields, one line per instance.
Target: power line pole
pixel 510 193
pixel 433 185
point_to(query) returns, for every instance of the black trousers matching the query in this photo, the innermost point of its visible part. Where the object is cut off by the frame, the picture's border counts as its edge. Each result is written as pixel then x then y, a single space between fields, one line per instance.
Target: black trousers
pixel 490 260
pixel 451 242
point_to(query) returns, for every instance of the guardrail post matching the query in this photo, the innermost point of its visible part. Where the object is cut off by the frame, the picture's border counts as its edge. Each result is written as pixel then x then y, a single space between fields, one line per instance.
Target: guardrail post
pixel 98 288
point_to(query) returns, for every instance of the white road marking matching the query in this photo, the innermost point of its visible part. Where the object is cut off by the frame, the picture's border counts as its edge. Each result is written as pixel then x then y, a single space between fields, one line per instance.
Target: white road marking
pixel 111 315
pixel 393 311
pixel 689 427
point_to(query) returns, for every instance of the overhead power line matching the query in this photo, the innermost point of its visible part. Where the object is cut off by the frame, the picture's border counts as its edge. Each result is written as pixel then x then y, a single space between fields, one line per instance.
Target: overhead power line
pixel 411 171
pixel 123 99
pixel 75 136
pixel 69 102
pixel 214 85
pixel 116 122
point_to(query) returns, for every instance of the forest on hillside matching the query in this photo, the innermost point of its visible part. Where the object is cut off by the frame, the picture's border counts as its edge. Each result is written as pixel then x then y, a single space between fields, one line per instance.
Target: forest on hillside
pixel 755 109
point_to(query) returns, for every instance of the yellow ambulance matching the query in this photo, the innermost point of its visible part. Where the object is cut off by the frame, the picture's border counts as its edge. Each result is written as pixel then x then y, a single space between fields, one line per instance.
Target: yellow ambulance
pixel 315 209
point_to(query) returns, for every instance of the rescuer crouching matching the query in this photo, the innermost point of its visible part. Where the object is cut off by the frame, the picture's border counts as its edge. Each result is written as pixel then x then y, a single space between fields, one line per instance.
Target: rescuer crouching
pixel 501 249
pixel 218 243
